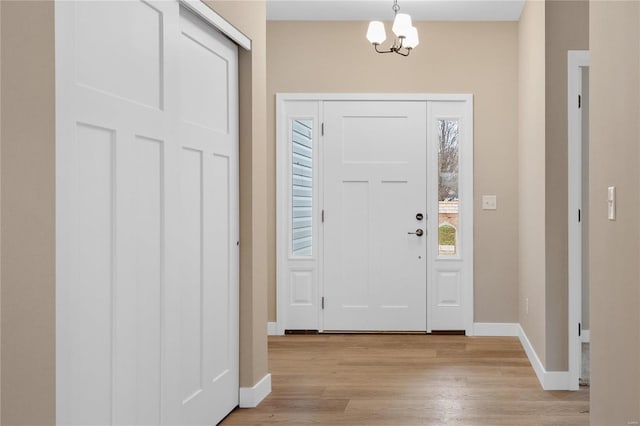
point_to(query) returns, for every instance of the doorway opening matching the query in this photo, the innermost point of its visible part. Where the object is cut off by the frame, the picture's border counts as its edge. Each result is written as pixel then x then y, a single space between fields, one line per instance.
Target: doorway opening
pixel 578 217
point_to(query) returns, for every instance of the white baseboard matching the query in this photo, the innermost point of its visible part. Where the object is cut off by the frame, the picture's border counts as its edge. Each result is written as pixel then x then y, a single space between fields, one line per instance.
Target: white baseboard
pixel 549 380
pixel 495 329
pixel 585 336
pixel 251 397
pixel 272 329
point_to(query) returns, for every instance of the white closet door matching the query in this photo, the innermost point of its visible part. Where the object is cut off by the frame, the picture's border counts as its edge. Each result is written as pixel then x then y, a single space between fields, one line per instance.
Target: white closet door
pixel 203 305
pixel 126 254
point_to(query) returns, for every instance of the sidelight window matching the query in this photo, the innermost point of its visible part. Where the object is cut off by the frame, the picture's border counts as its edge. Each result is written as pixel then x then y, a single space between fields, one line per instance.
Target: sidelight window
pixel 448 200
pixel 301 187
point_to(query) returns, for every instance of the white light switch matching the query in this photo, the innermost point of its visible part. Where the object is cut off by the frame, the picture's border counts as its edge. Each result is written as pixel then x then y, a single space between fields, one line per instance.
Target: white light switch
pixel 489 202
pixel 611 202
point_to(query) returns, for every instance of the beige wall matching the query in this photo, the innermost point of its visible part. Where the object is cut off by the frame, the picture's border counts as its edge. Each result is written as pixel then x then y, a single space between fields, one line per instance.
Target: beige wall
pixel 567 28
pixel 547 30
pixel 28 233
pixel 531 166
pixel 250 18
pixel 477 58
pixel 28 199
pixel 615 279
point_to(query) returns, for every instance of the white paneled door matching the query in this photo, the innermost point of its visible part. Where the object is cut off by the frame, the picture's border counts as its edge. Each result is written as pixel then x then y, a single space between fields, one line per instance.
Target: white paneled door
pixel 375 242
pixel 147 215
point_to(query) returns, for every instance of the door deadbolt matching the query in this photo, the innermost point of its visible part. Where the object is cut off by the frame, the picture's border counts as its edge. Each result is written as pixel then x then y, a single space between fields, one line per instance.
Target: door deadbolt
pixel 419 216
pixel 419 232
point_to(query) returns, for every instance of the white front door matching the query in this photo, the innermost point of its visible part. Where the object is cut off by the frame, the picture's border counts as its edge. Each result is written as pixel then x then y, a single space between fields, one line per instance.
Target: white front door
pixel 375 178
pixel 146 216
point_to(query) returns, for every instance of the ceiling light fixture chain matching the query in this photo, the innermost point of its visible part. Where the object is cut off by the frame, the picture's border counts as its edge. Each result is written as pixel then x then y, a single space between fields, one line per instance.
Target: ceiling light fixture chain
pixel 406 34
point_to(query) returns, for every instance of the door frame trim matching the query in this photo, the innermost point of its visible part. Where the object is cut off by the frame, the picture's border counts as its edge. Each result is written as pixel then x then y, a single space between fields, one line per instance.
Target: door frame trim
pixel 424 97
pixel 282 155
pixel 576 60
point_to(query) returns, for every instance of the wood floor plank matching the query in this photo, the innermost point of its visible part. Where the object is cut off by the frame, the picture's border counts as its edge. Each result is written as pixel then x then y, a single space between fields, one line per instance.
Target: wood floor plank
pixel 365 379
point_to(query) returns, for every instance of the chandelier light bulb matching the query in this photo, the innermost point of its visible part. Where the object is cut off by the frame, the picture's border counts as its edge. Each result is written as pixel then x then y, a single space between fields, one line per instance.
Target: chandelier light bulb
pixel 412 39
pixel 376 33
pixel 402 24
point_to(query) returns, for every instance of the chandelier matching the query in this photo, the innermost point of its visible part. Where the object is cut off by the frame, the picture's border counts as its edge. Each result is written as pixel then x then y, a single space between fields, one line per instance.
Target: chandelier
pixel 406 34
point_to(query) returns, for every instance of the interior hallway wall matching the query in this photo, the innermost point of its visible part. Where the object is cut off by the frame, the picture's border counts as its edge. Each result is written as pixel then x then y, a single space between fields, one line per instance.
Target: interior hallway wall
pixel 28 213
pixel 566 28
pixel 614 259
pixel 547 30
pixel 531 178
pixel 453 57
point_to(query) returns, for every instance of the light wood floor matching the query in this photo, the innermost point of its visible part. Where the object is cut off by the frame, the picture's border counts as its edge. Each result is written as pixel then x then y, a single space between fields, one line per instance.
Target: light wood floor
pixel 407 380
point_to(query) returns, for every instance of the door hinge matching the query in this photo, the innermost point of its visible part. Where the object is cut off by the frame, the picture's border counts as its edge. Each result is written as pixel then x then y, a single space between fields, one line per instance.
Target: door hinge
pixel 579 101
pixel 322 302
pixel 579 216
pixel 579 329
pixel 322 215
pixel 322 129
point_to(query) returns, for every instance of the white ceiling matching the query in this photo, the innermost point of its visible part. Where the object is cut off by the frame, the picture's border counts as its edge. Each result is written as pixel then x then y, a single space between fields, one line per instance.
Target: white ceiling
pixel 420 10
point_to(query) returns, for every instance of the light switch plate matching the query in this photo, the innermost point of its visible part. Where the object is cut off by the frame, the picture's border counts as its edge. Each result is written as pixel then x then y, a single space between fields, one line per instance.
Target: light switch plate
pixel 489 202
pixel 611 203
